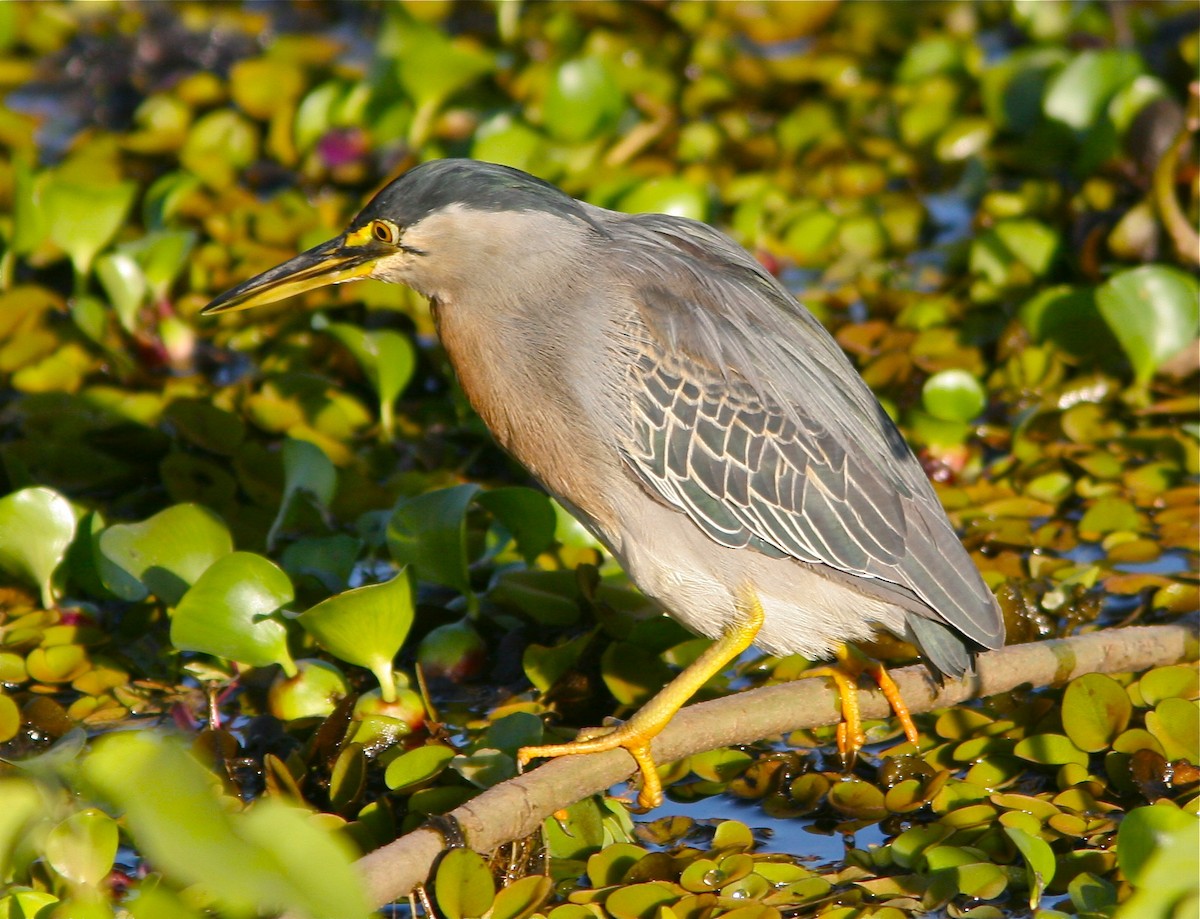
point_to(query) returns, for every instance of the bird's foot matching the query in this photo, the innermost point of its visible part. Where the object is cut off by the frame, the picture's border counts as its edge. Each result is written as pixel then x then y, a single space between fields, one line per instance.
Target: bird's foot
pixel 636 734
pixel 850 666
pixel 630 735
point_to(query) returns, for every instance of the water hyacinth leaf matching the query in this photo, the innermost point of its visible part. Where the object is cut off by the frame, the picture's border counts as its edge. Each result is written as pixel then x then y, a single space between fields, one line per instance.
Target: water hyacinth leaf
pixel 582 98
pixel 313 692
pixel 269 858
pixel 1157 851
pixel 365 626
pixel 674 196
pixel 82 847
pixel 37 526
pixel 29 223
pixel 418 767
pixel 1039 862
pixel 1154 313
pixel 1096 708
pixel 161 255
pixel 429 532
pixel 953 395
pixel 386 357
pixel 1077 95
pixel 83 219
pixel 125 284
pixel 163 555
pixel 227 612
pixel 526 513
pixel 463 885
pixel 23 804
pixel 306 471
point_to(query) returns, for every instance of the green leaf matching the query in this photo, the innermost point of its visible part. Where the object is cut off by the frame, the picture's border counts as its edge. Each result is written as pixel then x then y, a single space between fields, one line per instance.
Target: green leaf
pixel 418 767
pixel 1077 95
pixel 1154 313
pixel 583 98
pixel 386 357
pixel 36 528
pixel 267 859
pixel 306 471
pixel 227 612
pixel 429 532
pixel 365 626
pixel 125 284
pixel 522 897
pixel 670 195
pixel 1147 831
pixel 1175 723
pixel 463 885
pixel 82 847
pixel 1050 749
pixel 163 555
pixel 23 804
pixel 526 513
pixel 1096 708
pixel 83 219
pixel 161 255
pixel 953 395
pixel 1039 862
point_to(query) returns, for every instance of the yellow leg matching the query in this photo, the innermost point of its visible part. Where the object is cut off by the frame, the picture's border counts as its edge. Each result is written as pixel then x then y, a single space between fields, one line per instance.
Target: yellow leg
pixel 636 734
pixel 850 734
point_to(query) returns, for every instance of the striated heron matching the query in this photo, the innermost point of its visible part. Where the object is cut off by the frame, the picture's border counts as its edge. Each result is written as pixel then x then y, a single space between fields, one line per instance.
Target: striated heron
pixel 680 402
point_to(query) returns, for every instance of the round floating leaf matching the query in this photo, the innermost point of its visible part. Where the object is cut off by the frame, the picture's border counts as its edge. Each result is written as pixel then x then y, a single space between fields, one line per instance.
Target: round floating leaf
pixel 418 767
pixel 463 885
pixel 365 626
pixel 36 529
pixel 1050 749
pixel 953 395
pixel 163 555
pixel 640 901
pixel 1175 723
pixel 610 865
pixel 1096 708
pixel 82 847
pixel 227 612
pixel 1177 681
pixel 522 897
pixel 10 719
pixel 1154 312
pixel 429 532
pixel 858 799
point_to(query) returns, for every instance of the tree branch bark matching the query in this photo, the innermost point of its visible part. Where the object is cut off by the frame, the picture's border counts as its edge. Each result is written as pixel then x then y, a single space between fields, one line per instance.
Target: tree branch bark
pixel 517 807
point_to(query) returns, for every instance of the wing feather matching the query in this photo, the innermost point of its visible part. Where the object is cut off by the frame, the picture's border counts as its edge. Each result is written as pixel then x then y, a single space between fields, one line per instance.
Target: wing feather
pixel 746 415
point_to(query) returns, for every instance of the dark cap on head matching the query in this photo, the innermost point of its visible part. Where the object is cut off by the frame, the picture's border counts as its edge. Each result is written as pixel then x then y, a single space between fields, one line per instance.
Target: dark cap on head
pixel 478 186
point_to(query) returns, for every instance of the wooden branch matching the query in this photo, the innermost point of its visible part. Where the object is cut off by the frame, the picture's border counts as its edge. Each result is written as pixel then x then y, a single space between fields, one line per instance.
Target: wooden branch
pixel 517 807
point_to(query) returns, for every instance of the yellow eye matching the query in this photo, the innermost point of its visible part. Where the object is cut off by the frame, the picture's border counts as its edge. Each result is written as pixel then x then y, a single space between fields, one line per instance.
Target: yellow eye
pixel 385 232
